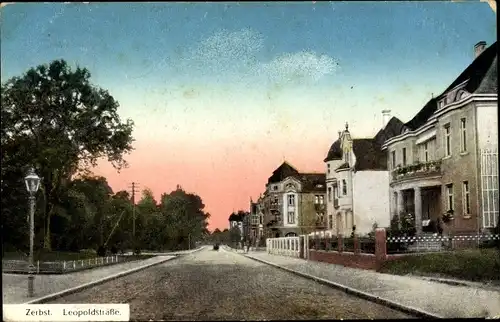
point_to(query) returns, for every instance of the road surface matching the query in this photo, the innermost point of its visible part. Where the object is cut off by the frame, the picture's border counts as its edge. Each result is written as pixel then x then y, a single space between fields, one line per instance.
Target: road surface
pixel 221 285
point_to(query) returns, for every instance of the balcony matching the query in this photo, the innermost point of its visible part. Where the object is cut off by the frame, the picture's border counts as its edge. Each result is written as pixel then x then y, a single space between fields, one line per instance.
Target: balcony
pixel 274 206
pixel 320 224
pixel 417 170
pixel 319 206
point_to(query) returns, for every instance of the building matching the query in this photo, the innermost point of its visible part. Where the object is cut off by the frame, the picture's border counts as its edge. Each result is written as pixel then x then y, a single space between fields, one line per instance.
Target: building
pixel 256 221
pixel 445 159
pixel 357 181
pixel 241 220
pixel 293 202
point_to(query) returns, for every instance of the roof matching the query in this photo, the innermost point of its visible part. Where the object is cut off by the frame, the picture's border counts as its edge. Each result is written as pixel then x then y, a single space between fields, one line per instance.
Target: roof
pixel 481 77
pixel 335 152
pixel 313 182
pixel 284 171
pixel 392 128
pixel 369 155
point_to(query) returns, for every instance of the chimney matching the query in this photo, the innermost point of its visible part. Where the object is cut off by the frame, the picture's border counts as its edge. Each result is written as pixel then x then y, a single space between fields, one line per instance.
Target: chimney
pixel 479 48
pixel 386 116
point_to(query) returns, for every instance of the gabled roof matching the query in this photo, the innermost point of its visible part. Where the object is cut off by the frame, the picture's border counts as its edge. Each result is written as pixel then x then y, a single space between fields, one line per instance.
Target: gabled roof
pixel 369 155
pixel 392 128
pixel 481 77
pixel 313 182
pixel 284 171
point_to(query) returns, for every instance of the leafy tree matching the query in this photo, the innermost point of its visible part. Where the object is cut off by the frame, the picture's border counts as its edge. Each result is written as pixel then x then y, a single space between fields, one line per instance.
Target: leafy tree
pixel 54 119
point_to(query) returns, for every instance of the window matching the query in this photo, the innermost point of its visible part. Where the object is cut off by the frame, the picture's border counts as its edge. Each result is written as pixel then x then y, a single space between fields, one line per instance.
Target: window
pixel 393 158
pixel 316 199
pixel 329 193
pixel 291 200
pixel 275 187
pixel 261 219
pixel 466 197
pixel 344 187
pixel 463 135
pixel 447 139
pixel 291 217
pixel 449 196
pixel 425 148
pixel 320 217
pixel 328 168
pixel 404 156
pixel 321 200
pixel 330 221
pixel 441 103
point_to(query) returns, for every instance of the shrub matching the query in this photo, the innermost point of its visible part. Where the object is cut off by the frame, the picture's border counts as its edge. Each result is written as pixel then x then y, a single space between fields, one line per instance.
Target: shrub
pixel 114 250
pixel 101 251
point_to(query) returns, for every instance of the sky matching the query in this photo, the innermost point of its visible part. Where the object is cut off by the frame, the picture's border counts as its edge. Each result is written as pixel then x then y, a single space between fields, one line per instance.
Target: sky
pixel 222 93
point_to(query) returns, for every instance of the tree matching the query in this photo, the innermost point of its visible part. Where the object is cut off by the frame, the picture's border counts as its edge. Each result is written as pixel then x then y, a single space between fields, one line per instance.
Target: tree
pixel 61 124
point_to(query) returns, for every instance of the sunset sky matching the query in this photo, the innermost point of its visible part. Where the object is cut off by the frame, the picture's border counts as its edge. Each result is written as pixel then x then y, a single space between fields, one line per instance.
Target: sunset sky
pixel 222 93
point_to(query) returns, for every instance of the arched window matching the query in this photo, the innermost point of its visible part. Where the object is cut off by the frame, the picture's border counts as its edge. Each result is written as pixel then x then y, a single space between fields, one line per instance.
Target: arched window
pixel 291 235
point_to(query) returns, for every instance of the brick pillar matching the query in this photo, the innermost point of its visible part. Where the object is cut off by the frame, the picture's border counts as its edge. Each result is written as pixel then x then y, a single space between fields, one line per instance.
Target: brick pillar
pixel 380 245
pixel 340 243
pixel 356 244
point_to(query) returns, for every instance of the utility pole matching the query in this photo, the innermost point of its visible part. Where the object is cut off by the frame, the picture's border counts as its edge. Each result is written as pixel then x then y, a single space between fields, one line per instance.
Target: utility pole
pixel 134 188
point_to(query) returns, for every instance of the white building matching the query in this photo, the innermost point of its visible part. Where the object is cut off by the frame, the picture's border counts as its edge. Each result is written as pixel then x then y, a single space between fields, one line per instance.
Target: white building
pixel 357 181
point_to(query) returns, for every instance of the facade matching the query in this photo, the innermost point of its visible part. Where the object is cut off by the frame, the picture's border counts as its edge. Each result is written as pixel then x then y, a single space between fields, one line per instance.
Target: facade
pixel 357 181
pixel 293 202
pixel 241 220
pixel 256 221
pixel 446 158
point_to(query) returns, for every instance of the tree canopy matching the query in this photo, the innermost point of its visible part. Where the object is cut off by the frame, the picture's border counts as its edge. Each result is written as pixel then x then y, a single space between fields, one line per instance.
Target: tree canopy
pixel 57 121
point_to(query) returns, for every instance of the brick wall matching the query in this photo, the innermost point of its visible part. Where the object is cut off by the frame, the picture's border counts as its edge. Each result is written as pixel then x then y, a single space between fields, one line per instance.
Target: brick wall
pixel 364 261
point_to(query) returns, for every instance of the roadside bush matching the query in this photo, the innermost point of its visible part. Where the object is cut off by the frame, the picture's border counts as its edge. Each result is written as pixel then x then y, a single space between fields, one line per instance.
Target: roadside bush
pixel 114 250
pixel 101 251
pixel 137 251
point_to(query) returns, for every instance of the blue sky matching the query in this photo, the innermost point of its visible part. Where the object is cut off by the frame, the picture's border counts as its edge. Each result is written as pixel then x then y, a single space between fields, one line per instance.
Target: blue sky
pixel 273 77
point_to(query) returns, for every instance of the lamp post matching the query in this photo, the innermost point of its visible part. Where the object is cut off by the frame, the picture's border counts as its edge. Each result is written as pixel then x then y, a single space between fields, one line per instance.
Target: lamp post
pixel 32 183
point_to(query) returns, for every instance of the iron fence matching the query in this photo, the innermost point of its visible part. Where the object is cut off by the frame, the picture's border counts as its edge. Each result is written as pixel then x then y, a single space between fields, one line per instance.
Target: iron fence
pixel 348 244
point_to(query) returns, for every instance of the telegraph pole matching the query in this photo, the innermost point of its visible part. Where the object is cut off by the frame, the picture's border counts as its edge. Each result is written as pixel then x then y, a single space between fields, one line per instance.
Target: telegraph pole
pixel 134 188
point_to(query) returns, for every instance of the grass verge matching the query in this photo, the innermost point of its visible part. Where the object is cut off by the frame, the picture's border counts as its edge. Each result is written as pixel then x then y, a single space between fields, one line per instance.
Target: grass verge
pixel 478 265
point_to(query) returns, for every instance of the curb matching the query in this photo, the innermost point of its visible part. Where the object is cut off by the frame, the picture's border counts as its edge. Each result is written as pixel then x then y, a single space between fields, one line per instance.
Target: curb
pixel 358 293
pixel 82 287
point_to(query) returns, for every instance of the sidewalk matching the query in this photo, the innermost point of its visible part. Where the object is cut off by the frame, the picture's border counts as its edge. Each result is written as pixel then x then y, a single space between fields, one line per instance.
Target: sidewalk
pixel 15 286
pixel 433 297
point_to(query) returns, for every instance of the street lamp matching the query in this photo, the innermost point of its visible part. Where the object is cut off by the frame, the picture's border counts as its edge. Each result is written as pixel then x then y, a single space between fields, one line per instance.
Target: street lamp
pixel 32 184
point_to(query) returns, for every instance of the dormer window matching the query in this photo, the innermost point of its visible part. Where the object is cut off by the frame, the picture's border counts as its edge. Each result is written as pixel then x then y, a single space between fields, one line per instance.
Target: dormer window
pixel 441 103
pixel 275 187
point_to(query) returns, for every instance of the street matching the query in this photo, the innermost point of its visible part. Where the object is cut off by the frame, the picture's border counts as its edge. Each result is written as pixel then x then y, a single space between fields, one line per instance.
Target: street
pixel 221 285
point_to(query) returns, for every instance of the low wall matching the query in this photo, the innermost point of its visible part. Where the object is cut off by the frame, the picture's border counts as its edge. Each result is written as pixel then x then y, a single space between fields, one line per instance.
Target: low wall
pixel 348 259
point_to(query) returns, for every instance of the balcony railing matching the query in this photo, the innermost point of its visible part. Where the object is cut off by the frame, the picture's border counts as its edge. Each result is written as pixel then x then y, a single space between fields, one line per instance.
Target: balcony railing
pixel 319 206
pixel 417 169
pixel 320 224
pixel 274 206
